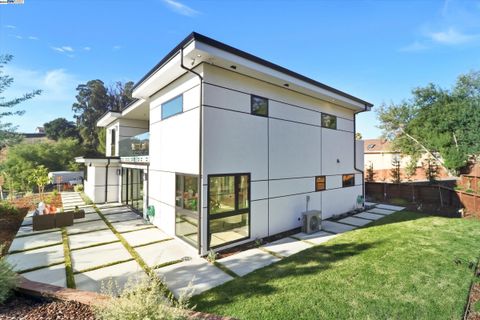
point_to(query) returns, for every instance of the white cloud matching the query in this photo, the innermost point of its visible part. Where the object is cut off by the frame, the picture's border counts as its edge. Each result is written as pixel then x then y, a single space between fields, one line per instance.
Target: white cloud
pixel 117 47
pixel 414 47
pixel 58 49
pixel 87 48
pixel 10 26
pixel 63 49
pixel 181 8
pixel 32 38
pixel 452 37
pixel 19 37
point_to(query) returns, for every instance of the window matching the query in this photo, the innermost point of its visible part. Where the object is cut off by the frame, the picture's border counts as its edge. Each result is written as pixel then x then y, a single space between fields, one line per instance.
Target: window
pixel 228 208
pixel 329 121
pixel 319 183
pixel 186 212
pixel 113 136
pixel 172 107
pixel 348 180
pixel 259 106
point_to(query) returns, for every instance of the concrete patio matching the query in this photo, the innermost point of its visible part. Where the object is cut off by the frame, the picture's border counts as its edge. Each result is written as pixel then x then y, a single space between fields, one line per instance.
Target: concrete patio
pixel 117 245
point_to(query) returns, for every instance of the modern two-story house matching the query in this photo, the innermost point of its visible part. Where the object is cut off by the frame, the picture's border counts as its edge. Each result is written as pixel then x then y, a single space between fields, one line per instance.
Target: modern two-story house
pixel 226 147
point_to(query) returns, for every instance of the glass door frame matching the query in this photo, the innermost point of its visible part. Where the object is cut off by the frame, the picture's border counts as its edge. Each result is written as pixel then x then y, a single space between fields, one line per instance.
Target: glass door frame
pixel 128 184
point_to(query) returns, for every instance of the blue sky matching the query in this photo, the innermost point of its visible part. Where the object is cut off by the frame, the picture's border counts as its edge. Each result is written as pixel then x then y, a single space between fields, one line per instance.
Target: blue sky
pixel 376 50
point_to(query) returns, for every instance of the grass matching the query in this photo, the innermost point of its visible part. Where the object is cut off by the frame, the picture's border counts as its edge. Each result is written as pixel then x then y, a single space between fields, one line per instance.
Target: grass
pixel 68 260
pixel 404 266
pixel 476 307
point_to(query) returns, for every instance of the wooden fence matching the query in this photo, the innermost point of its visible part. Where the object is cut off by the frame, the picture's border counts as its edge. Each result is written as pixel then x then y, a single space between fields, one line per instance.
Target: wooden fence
pixel 425 194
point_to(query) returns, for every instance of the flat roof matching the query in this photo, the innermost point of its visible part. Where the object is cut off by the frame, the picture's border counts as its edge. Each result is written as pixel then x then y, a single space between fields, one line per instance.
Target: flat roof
pixel 222 46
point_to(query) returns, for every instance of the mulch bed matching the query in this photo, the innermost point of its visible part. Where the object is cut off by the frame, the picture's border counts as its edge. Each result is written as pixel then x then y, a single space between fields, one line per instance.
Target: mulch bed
pixel 474 297
pixel 20 307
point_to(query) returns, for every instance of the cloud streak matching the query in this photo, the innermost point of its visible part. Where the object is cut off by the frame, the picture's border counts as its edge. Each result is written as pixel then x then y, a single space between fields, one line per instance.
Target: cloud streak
pixel 181 8
pixel 452 37
pixel 63 49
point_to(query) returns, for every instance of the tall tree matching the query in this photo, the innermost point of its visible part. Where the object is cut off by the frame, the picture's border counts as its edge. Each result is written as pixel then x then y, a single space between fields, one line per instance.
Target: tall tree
pixel 7 129
pixel 442 123
pixel 61 128
pixel 120 95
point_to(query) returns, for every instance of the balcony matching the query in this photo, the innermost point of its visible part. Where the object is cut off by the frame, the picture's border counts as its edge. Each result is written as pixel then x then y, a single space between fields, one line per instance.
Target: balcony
pixel 135 149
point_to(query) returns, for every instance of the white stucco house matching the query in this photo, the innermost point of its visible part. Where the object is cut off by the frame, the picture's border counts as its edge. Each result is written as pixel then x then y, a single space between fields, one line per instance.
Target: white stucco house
pixel 227 147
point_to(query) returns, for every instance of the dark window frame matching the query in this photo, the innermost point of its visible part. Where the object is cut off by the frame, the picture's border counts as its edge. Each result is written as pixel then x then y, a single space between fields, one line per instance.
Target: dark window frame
pixel 113 140
pixel 324 183
pixel 329 115
pixel 252 97
pixel 343 180
pixel 172 115
pixel 230 213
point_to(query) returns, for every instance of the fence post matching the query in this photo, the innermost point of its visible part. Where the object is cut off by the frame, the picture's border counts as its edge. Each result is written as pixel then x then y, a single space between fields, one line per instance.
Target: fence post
pixel 384 191
pixel 441 198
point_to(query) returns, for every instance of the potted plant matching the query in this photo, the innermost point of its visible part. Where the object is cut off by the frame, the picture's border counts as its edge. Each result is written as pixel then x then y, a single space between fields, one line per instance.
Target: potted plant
pixel 43 219
pixel 78 214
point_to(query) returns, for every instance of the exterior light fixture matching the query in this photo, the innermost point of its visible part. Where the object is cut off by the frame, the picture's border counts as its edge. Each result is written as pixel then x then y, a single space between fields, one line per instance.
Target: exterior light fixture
pixel 233 67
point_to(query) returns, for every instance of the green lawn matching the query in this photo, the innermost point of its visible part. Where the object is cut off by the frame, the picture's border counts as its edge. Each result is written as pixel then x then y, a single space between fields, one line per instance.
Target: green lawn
pixel 405 266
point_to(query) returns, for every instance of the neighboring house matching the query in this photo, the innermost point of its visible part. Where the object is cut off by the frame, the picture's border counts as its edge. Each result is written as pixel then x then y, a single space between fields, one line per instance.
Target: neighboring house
pixel 379 155
pixel 253 143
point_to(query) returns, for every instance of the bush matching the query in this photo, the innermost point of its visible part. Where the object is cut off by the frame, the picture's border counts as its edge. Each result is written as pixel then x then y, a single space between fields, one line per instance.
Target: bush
pixel 78 188
pixel 146 299
pixel 6 207
pixel 8 278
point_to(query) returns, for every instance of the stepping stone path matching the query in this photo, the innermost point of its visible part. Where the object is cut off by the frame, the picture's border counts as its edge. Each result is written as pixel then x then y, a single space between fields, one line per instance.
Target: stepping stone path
pixel 123 250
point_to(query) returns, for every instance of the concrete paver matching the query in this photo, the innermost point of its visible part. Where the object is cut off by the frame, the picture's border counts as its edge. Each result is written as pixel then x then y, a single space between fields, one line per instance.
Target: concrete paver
pixel 125 216
pixel 247 261
pixel 336 227
pixel 54 275
pixel 370 203
pixel 24 243
pixel 381 211
pixel 120 275
pixel 97 256
pixel 197 272
pixel 287 246
pixel 91 238
pixel 390 207
pixel 355 221
pixel 164 252
pixel 88 217
pixel 86 226
pixel 36 258
pixel 368 215
pixel 125 226
pixel 317 237
pixel 137 238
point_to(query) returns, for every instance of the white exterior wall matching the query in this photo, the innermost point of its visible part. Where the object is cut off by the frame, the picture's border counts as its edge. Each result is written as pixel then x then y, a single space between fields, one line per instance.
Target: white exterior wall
pixel 283 152
pixel 94 185
pixel 174 147
pixel 124 129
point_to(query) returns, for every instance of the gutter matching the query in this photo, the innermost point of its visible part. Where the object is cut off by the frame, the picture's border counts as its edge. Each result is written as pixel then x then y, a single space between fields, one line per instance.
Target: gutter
pixel 200 162
pixel 355 149
pixel 106 180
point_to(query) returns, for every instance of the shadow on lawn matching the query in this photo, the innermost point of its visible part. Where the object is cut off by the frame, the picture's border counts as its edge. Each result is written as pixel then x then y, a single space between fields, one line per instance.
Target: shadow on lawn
pixel 398 217
pixel 307 262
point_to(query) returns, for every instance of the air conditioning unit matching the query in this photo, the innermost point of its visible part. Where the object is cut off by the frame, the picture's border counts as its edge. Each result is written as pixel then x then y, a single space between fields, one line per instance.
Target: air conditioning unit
pixel 312 221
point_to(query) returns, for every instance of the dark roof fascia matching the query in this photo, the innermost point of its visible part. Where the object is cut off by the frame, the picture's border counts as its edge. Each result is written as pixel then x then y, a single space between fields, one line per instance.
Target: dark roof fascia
pixel 128 105
pixel 248 56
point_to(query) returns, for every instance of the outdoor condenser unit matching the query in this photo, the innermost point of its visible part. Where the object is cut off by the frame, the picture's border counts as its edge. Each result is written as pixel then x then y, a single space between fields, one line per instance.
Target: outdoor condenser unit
pixel 312 221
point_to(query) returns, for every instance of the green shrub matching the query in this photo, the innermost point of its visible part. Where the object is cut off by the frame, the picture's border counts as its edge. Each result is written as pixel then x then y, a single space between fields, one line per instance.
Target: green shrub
pixel 476 307
pixel 6 207
pixel 145 299
pixel 78 188
pixel 55 192
pixel 399 201
pixel 8 278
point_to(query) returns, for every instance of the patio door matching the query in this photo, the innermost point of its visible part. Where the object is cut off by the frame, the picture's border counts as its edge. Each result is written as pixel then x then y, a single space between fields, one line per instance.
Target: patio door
pixel 132 189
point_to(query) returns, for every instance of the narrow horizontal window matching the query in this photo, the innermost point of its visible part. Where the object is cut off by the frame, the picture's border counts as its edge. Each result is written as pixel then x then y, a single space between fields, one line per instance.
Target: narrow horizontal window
pixel 329 121
pixel 172 107
pixel 259 106
pixel 348 180
pixel 319 183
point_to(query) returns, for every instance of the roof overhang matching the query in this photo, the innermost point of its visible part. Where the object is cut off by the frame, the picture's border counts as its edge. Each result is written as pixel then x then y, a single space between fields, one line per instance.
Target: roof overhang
pixel 199 49
pixel 108 118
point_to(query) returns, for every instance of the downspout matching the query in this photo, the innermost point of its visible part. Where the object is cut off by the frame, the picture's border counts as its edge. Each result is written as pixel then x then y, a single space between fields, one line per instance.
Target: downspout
pixel 200 203
pixel 106 180
pixel 355 150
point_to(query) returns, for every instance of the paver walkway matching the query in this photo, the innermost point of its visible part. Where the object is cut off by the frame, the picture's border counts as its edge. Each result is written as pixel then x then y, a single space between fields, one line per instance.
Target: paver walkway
pixel 117 245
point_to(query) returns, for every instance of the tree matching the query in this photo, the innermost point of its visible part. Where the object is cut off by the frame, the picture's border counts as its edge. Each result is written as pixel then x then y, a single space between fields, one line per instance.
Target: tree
pixel 24 157
pixel 93 100
pixel 411 168
pixel 441 123
pixel 61 128
pixel 431 169
pixel 370 173
pixel 395 171
pixel 358 136
pixel 39 177
pixel 7 129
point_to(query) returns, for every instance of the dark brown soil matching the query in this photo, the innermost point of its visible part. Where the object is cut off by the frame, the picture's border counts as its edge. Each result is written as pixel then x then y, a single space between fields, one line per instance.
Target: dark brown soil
pixel 474 297
pixel 19 307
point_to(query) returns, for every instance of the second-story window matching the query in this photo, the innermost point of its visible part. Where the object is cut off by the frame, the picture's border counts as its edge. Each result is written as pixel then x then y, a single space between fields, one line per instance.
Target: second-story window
pixel 259 106
pixel 172 107
pixel 113 137
pixel 329 121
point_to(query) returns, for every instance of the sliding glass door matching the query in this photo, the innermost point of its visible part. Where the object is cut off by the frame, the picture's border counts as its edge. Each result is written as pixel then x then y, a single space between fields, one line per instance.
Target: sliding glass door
pixel 132 189
pixel 228 209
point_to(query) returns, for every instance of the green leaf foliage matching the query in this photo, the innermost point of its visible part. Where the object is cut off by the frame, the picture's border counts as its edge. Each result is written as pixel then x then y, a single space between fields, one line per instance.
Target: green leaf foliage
pixel 61 128
pixel 446 122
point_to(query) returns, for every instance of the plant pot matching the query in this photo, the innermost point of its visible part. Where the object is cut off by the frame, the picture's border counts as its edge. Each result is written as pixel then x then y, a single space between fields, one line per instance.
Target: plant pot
pixel 63 219
pixel 43 222
pixel 80 214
